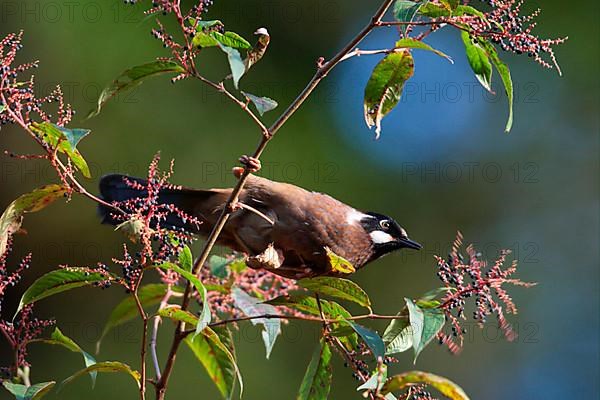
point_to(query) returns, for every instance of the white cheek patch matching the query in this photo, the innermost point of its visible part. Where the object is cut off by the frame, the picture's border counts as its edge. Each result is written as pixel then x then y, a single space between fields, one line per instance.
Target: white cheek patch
pixel 380 237
pixel 355 216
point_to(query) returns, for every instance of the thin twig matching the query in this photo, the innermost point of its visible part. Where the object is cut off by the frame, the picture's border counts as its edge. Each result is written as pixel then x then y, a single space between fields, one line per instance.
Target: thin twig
pixel 153 340
pixel 143 345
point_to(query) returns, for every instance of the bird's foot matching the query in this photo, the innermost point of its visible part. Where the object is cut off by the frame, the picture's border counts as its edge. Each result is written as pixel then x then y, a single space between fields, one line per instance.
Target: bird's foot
pixel 251 164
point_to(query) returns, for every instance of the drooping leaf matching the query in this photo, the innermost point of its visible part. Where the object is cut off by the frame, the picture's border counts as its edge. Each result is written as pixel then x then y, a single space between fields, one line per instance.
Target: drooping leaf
pixel 217 359
pixel 410 43
pixel 59 338
pixel 105 366
pixel 339 263
pixel 406 10
pixel 371 338
pixel 12 217
pixel 317 379
pixel 56 137
pixel 443 385
pixel 385 86
pixel 236 64
pixel 251 306
pixel 59 281
pixel 133 77
pixel 478 60
pixel 398 336
pixel 177 314
pixel 425 323
pixel 337 287
pixel 262 104
pixel 214 38
pixel 205 314
pixel 33 392
pixel 186 260
pixel 504 73
pixel 127 310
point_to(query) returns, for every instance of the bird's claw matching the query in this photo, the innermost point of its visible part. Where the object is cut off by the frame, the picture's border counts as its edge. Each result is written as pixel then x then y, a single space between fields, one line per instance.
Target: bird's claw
pixel 251 164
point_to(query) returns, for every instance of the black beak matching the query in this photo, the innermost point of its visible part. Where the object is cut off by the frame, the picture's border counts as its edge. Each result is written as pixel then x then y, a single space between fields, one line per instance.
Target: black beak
pixel 409 244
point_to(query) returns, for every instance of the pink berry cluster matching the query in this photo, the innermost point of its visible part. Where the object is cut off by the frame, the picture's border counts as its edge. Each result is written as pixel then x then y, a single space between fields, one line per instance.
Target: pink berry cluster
pixel 20 332
pixel 504 25
pixel 473 278
pixel 18 101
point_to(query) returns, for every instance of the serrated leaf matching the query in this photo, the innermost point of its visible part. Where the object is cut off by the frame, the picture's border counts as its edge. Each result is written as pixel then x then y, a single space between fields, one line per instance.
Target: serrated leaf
pixel 316 383
pixel 217 359
pixel 478 60
pixel 33 392
pixel 133 77
pixel 504 73
pixel 339 263
pixel 385 86
pixel 425 323
pixel 337 287
pixel 262 104
pixel 127 309
pixel 56 137
pixel 214 38
pixel 410 43
pixel 105 366
pixel 251 306
pixel 236 64
pixel 205 314
pixel 371 338
pixel 59 281
pixel 443 385
pixel 58 338
pixel 12 217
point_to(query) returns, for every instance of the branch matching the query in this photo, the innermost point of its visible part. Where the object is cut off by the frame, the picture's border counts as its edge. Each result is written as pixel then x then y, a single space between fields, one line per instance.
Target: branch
pixel 143 345
pixel 322 71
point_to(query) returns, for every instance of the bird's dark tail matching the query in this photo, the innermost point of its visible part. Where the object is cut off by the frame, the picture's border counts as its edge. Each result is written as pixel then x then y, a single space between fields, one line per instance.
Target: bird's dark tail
pixel 114 188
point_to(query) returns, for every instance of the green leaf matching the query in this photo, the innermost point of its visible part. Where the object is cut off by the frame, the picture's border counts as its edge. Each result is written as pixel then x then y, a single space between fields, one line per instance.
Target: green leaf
pixel 74 136
pixel 209 24
pixel 340 288
pixel 339 263
pixel 59 281
pixel 317 379
pixel 2 108
pixel 251 306
pixel 33 392
pixel 398 336
pixel 425 323
pixel 443 385
pixel 385 86
pixel 371 338
pixel 177 314
pixel 218 266
pixel 376 381
pixel 308 304
pixel 127 310
pixel 469 10
pixel 227 39
pixel 205 314
pixel 504 72
pixel 236 64
pixel 105 366
pixel 478 60
pixel 133 77
pixel 452 4
pixel 217 359
pixel 56 137
pixel 433 10
pixel 406 10
pixel 262 104
pixel 410 43
pixel 58 338
pixel 186 260
pixel 12 217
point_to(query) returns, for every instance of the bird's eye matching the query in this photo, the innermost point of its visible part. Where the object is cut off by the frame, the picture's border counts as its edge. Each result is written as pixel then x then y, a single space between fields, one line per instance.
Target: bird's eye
pixel 385 224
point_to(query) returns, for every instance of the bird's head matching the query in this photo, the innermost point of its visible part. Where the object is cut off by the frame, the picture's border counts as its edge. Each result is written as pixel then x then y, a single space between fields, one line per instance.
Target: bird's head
pixel 386 235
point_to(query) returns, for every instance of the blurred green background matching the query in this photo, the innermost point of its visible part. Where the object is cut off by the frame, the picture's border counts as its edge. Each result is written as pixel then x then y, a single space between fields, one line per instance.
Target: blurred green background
pixel 442 164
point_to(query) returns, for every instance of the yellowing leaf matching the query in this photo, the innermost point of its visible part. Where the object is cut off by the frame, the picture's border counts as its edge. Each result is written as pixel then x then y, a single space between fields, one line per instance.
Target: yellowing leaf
pixel 338 263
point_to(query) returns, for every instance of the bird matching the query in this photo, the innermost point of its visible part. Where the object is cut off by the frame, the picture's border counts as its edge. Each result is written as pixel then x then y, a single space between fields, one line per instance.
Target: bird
pixel 281 227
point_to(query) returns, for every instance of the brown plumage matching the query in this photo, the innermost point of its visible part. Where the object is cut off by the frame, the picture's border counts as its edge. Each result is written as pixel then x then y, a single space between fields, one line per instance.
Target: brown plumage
pixel 297 224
